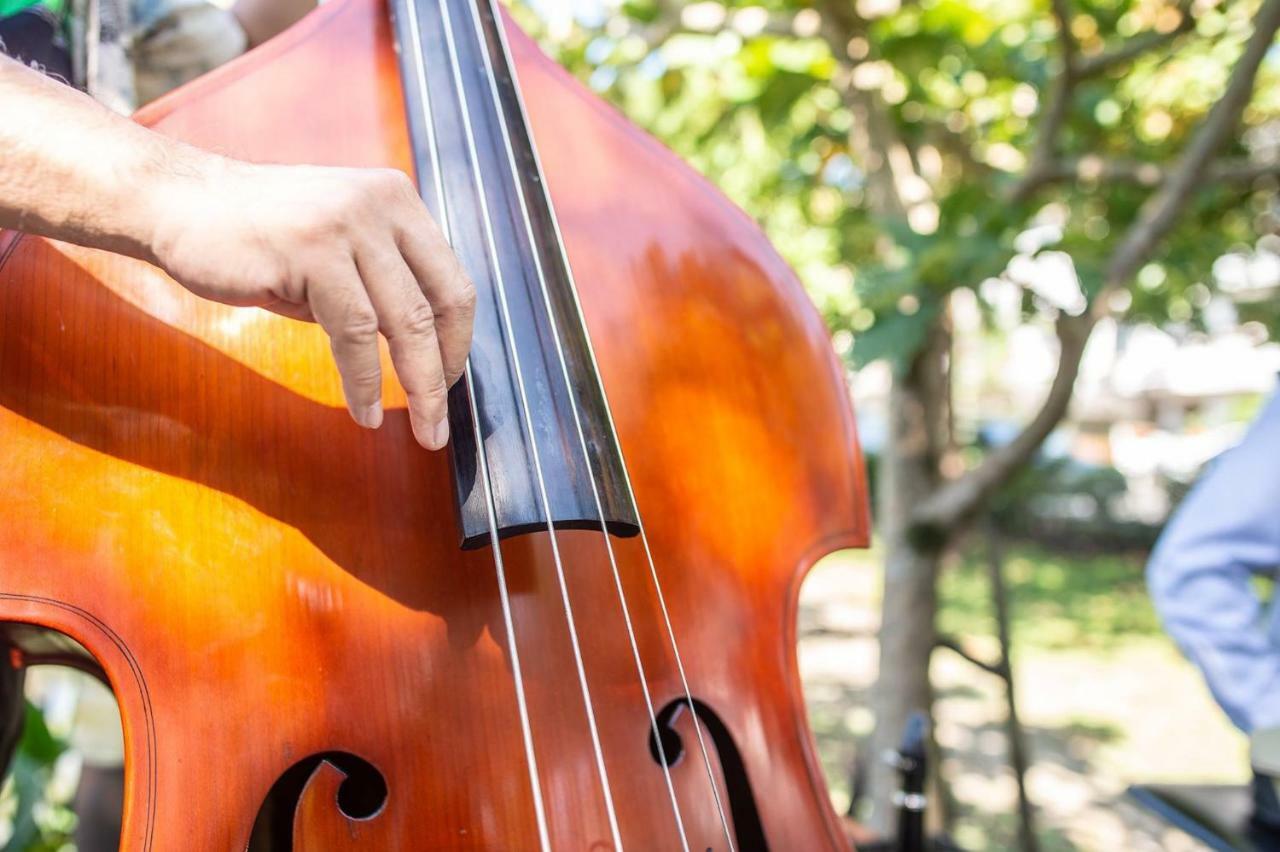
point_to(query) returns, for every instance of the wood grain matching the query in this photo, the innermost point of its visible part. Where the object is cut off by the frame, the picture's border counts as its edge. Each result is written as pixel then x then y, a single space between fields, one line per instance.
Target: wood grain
pixel 183 493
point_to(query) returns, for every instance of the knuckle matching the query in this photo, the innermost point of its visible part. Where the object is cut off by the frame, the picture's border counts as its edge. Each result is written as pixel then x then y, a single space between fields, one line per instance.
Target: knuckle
pixel 269 280
pixel 322 224
pixel 462 298
pixel 457 299
pixel 403 183
pixel 435 395
pixel 390 184
pixel 359 329
pixel 352 205
pixel 419 320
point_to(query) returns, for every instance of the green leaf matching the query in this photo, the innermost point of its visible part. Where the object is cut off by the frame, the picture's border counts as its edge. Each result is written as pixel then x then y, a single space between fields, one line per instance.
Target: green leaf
pixel 894 337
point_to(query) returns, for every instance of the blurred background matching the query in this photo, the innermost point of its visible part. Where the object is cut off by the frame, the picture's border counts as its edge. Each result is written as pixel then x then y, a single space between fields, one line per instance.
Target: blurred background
pixel 1055 308
pixel 1044 236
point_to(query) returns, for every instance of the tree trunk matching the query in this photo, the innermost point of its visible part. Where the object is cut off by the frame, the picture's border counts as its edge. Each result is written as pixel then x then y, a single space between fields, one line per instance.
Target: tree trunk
pixel 909 473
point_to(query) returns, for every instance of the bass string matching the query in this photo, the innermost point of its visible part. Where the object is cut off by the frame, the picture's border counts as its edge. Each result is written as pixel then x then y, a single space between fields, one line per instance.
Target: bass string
pixel 670 631
pixel 526 729
pixel 595 492
pixel 527 422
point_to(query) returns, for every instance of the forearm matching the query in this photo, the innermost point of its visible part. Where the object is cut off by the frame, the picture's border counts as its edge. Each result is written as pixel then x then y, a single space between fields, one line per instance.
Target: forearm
pixel 73 170
pixel 353 249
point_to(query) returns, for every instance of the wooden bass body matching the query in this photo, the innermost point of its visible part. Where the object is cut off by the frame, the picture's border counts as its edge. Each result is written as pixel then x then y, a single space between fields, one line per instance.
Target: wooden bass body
pixel 264 584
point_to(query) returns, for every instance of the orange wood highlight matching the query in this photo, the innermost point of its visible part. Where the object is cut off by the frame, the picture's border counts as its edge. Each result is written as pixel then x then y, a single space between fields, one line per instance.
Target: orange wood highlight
pixel 183 492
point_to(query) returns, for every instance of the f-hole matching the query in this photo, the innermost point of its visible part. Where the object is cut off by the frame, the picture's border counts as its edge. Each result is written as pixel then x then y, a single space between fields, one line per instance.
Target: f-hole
pixel 743 812
pixel 361 796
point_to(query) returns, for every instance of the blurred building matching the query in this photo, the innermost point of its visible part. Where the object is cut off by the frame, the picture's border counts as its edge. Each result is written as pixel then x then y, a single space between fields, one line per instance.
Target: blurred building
pixel 1154 404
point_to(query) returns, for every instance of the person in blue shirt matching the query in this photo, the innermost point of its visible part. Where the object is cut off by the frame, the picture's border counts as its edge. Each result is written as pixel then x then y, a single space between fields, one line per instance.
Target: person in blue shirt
pixel 1201 576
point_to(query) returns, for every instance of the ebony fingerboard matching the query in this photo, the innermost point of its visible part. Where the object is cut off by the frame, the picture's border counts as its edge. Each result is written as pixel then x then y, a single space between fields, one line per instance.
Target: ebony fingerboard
pixel 478 172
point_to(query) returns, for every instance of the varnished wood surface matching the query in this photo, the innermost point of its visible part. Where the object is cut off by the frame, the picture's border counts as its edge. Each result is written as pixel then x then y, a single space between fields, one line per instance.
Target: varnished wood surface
pixel 183 492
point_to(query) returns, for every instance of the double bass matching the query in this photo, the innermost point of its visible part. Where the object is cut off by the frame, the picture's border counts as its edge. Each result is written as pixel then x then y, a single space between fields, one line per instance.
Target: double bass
pixel 574 629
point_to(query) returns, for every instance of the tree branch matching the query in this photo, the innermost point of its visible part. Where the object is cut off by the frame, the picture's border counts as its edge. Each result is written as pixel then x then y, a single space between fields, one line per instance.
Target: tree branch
pixel 952 644
pixel 1098 170
pixel 1057 108
pixel 958 499
pixel 1160 212
pixel 1067 41
pixel 1075 68
pixel 893 181
pixel 1092 66
pixel 893 177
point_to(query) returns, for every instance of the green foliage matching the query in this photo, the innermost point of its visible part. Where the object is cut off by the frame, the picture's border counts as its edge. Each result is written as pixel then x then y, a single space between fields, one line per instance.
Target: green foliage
pixel 1057 601
pixel 770 110
pixel 39 824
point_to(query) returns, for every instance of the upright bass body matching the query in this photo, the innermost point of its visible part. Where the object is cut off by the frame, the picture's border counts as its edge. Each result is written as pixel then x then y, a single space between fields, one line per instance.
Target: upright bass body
pixel 279 599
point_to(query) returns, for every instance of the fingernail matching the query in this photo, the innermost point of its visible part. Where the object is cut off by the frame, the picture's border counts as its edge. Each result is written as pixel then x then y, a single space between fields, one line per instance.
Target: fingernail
pixel 371 416
pixel 440 436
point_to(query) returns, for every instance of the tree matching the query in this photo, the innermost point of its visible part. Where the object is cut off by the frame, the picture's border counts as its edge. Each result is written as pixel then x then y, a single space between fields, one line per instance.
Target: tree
pixel 897 152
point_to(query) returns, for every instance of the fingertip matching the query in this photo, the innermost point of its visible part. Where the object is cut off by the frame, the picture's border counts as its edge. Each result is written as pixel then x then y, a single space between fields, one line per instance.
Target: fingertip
pixel 370 416
pixel 432 437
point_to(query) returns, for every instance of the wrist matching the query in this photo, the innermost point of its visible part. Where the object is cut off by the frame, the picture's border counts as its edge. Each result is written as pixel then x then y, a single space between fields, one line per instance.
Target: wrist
pixel 171 187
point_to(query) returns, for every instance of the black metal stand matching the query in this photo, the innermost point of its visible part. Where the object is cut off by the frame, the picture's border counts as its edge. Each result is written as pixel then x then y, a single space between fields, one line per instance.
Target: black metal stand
pixel 912 762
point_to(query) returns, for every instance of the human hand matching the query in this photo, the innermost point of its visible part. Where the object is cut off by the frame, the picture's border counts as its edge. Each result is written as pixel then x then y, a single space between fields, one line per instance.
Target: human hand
pixel 352 249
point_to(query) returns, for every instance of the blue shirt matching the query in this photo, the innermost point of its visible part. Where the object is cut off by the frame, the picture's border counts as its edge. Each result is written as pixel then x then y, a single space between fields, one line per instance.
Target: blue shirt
pixel 1227 530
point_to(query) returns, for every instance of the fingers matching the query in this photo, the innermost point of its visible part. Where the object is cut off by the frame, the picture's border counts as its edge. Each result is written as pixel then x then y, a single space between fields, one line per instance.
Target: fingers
pixel 393 272
pixel 445 285
pixel 292 310
pixel 408 321
pixel 344 311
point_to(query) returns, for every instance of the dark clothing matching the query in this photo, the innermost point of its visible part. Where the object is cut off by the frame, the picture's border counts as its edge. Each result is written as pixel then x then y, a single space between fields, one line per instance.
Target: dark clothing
pixel 12 707
pixel 34 37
